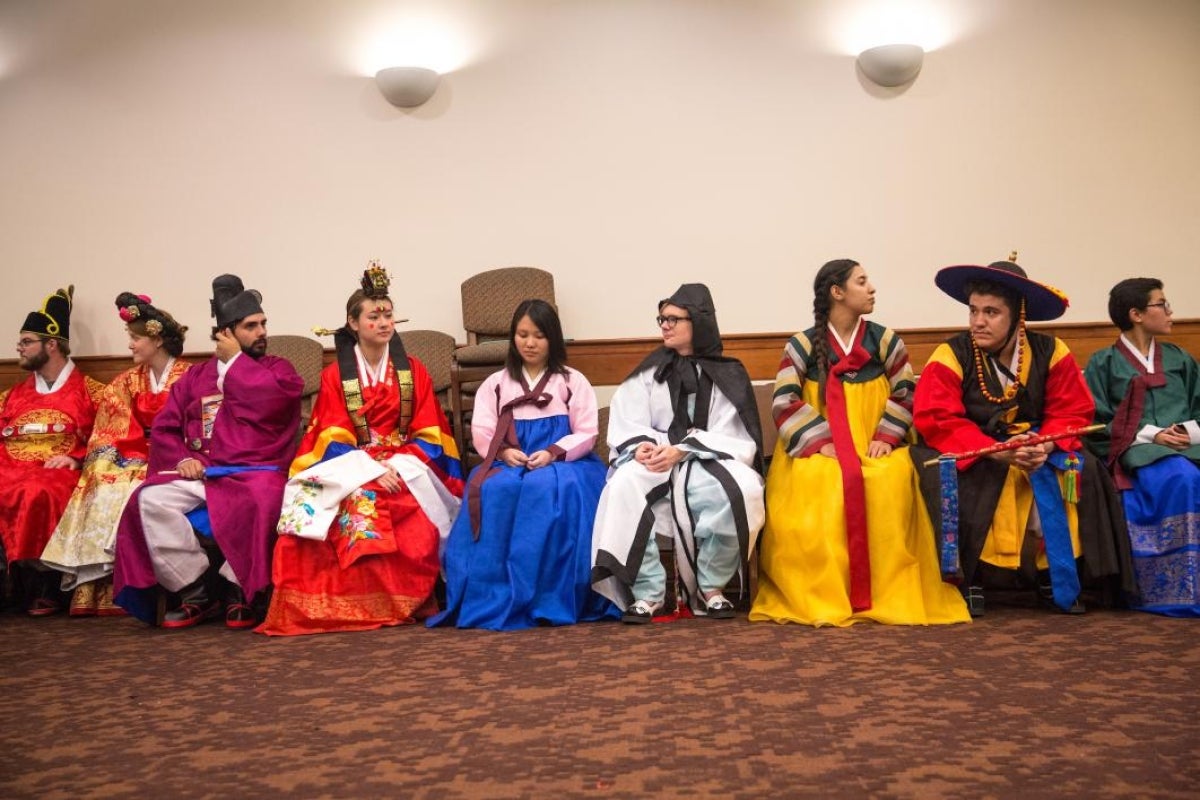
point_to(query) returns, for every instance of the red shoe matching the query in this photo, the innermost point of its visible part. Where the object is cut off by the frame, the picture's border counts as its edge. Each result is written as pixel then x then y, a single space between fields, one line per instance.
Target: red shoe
pixel 190 614
pixel 43 607
pixel 240 615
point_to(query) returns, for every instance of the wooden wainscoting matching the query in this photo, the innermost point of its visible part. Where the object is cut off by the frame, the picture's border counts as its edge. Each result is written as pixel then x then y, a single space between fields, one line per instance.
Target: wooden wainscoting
pixel 606 362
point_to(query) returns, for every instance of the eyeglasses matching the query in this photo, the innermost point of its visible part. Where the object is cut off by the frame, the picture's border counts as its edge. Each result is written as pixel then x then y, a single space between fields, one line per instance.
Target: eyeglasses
pixel 23 343
pixel 671 322
pixel 1164 305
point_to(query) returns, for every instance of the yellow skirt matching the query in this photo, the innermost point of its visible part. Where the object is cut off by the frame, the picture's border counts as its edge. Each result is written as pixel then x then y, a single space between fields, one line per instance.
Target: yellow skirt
pixel 804 572
pixel 1006 537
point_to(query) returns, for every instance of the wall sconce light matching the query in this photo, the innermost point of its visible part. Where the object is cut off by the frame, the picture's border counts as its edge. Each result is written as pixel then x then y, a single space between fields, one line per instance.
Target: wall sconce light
pixel 891 64
pixel 407 87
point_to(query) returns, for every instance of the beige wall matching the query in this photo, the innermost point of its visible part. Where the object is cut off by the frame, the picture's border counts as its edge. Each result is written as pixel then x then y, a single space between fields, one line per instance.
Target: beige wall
pixel 627 146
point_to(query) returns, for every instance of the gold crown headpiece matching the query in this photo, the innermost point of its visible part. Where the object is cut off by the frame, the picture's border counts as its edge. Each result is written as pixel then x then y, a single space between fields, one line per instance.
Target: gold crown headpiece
pixel 375 280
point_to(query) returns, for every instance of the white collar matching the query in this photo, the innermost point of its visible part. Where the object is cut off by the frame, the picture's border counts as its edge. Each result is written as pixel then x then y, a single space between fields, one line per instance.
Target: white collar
pixel 158 385
pixel 48 388
pixel 1148 359
pixel 372 376
pixel 845 348
pixel 529 379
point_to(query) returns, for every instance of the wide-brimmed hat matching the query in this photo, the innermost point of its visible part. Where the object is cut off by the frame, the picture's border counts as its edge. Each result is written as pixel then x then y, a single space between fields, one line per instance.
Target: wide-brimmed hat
pixel 1042 301
pixel 54 317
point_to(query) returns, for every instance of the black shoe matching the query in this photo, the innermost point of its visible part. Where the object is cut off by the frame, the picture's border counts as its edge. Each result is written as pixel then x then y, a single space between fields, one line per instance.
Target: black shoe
pixel 974 597
pixel 1045 596
pixel 194 608
pixel 238 613
pixel 641 612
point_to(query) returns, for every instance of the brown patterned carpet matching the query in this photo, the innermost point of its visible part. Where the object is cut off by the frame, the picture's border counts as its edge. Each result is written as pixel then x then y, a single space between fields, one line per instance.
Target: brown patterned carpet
pixel 1023 703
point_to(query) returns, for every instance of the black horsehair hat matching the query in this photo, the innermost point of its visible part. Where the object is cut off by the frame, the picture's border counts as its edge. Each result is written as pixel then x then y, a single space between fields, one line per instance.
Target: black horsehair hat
pixel 231 301
pixel 54 317
pixel 1043 302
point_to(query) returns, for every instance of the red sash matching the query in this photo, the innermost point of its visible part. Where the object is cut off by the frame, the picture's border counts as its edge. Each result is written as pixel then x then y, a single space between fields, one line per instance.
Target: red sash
pixel 854 496
pixel 1127 420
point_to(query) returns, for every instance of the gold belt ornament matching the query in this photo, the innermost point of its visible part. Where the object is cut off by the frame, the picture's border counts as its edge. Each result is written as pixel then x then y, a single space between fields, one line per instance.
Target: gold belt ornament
pixel 35 428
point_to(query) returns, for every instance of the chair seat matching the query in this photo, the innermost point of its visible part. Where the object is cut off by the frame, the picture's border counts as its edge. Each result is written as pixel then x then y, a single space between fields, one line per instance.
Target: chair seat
pixel 472 355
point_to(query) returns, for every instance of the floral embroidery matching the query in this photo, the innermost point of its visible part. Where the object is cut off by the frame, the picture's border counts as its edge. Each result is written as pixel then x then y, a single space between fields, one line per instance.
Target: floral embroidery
pixel 357 520
pixel 299 513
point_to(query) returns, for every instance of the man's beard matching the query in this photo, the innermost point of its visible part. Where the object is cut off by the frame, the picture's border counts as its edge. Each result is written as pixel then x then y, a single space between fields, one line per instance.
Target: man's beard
pixel 35 362
pixel 256 349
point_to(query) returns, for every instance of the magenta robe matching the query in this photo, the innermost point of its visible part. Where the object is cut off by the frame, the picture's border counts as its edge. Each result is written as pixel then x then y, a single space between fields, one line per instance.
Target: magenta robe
pixel 256 426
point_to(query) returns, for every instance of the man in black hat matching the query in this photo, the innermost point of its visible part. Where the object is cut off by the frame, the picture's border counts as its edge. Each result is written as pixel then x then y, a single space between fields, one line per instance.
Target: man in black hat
pixel 222 443
pixel 45 422
pixel 686 463
pixel 1033 510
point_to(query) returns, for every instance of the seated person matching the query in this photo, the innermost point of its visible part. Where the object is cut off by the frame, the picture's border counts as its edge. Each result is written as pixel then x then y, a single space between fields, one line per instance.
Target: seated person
pixel 83 544
pixel 374 488
pixel 1034 509
pixel 1148 393
pixel 222 443
pixel 847 535
pixel 686 463
pixel 520 552
pixel 45 421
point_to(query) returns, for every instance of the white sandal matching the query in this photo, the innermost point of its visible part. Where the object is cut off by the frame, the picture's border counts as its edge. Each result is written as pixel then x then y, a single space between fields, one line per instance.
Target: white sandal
pixel 641 612
pixel 718 607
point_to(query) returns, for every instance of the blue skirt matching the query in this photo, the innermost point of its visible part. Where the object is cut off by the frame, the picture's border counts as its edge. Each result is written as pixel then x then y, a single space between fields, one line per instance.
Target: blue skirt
pixel 532 563
pixel 1163 510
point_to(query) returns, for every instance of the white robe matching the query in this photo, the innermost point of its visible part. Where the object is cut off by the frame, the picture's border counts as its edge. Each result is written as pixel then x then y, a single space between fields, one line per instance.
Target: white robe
pixel 688 503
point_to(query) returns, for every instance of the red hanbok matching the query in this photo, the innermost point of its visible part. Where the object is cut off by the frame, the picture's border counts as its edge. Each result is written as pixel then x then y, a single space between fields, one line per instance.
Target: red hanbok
pixel 33 428
pixel 379 562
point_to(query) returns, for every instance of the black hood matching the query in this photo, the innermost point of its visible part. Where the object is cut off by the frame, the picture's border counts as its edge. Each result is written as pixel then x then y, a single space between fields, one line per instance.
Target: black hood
pixel 706 335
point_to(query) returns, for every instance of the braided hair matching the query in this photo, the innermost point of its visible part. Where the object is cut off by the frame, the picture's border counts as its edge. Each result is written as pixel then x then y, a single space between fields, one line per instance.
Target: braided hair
pixel 833 273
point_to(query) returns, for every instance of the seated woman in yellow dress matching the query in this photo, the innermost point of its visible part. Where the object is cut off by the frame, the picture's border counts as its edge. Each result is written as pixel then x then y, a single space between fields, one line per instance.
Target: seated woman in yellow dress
pixel 847 537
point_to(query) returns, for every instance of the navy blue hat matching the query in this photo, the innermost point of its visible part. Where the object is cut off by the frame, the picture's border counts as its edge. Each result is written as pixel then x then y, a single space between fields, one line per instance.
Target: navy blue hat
pixel 1043 302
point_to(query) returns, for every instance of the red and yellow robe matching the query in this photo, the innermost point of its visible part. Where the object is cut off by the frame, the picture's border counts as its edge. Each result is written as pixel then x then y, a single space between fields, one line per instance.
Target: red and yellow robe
pixel 34 428
pixel 117 453
pixel 379 562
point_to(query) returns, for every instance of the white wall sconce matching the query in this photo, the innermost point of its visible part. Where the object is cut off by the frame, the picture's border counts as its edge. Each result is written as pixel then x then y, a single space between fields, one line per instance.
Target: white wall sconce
pixel 407 87
pixel 892 64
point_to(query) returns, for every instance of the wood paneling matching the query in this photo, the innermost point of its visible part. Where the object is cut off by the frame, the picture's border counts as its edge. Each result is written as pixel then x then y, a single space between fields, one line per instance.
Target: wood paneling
pixel 606 362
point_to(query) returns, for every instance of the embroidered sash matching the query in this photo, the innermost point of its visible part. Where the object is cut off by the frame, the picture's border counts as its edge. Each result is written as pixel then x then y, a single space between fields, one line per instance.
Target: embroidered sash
pixel 352 386
pixel 505 436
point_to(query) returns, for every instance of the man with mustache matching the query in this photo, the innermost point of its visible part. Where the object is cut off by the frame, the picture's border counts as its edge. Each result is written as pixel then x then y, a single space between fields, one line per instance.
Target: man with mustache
pixel 45 422
pixel 221 445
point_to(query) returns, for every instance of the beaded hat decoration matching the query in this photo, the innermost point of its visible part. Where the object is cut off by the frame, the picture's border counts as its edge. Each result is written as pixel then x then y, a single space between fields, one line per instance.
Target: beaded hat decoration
pixel 1043 302
pixel 375 280
pixel 54 317
pixel 133 307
